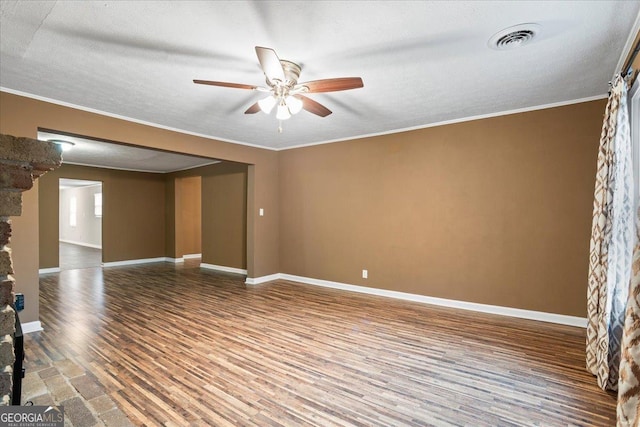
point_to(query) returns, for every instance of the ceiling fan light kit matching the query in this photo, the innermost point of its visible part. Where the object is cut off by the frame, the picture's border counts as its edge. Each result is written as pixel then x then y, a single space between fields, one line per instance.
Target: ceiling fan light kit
pixel 284 90
pixel 267 104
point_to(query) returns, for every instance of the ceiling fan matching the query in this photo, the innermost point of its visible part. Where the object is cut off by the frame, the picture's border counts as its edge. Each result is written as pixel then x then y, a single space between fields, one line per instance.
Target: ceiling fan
pixel 284 90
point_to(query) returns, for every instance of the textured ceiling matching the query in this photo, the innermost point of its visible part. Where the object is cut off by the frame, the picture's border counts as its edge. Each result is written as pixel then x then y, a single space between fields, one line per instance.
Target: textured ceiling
pixel 421 62
pixel 119 156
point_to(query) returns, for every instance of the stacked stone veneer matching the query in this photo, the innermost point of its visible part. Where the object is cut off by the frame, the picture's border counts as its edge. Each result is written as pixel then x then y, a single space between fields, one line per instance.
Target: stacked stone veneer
pixel 22 160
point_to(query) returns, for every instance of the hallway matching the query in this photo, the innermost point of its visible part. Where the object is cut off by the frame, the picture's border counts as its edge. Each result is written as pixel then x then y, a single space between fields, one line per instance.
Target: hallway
pixel 76 256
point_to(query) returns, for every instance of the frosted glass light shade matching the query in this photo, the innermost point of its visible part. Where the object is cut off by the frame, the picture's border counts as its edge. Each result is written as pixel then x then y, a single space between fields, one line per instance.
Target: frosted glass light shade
pixel 267 104
pixel 283 112
pixel 294 104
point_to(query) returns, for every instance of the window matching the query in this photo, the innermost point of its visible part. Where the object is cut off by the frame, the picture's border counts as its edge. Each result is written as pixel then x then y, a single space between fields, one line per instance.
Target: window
pixel 634 118
pixel 97 204
pixel 73 211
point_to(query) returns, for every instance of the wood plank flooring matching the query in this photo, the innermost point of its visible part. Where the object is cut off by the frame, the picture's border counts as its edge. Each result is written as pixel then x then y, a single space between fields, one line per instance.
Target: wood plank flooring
pixel 75 256
pixel 177 346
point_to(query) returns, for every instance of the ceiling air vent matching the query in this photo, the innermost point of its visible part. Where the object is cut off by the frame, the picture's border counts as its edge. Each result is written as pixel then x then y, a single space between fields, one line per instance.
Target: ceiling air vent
pixel 513 37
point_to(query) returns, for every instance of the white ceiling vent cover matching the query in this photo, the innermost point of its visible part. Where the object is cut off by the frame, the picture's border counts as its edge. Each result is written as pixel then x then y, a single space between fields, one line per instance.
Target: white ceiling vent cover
pixel 513 37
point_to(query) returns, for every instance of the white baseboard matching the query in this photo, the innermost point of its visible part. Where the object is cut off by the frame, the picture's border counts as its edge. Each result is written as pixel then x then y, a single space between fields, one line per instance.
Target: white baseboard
pixel 223 268
pixel 30 327
pixel 136 261
pixel 191 256
pixel 463 305
pixel 120 263
pixel 88 245
pixel 262 279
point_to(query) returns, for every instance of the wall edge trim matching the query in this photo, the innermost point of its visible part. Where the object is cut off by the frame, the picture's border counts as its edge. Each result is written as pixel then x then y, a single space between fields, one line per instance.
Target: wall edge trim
pixel 30 327
pixel 223 268
pixel 262 279
pixel 125 118
pixel 370 135
pixel 627 46
pixel 88 245
pixel 541 316
pixel 454 121
pixel 49 270
pixel 136 261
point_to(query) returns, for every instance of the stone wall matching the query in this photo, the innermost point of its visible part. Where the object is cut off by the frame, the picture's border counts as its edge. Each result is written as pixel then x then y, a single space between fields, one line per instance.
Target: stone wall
pixel 22 161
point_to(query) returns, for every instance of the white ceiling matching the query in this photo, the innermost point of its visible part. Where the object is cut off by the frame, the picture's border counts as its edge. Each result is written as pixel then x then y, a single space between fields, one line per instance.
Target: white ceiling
pixel 126 157
pixel 422 62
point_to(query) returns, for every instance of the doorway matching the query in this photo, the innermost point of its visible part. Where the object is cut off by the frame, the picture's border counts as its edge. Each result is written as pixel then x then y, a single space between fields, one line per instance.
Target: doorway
pixel 80 225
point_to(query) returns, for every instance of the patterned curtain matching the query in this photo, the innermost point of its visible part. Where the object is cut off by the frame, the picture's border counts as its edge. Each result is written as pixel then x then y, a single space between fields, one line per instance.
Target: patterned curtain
pixel 629 382
pixel 612 240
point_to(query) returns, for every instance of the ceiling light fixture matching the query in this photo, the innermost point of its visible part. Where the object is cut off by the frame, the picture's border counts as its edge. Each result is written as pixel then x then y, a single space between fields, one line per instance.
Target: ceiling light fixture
pixel 283 111
pixel 294 104
pixel 65 145
pixel 267 104
pixel 288 104
pixel 284 90
pixel 515 36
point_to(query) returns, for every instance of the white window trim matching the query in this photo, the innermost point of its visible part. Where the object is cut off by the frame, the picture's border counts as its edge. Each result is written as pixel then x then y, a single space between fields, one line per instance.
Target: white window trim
pixel 97 205
pixel 634 117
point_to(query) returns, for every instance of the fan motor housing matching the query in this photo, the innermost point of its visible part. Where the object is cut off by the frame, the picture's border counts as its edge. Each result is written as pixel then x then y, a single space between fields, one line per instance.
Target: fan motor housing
pixel 291 72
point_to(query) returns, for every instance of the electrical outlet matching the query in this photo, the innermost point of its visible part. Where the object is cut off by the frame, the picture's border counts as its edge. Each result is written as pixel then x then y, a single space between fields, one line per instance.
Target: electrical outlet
pixel 365 274
pixel 261 212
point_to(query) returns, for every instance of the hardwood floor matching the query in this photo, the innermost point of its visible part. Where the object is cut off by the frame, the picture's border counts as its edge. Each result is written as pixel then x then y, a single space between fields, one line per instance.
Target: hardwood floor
pixel 76 256
pixel 177 345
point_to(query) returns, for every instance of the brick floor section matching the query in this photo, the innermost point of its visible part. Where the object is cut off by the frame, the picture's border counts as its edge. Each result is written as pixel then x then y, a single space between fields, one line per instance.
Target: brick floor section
pixel 78 413
pixel 86 403
pixel 88 387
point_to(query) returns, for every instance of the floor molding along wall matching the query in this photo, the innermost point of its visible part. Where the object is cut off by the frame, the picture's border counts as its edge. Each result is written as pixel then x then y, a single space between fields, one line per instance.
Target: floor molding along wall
pixel 30 327
pixel 463 305
pixel 262 279
pixel 223 268
pixel 175 260
pixel 88 245
pixel 191 256
pixel 136 261
pixel 49 270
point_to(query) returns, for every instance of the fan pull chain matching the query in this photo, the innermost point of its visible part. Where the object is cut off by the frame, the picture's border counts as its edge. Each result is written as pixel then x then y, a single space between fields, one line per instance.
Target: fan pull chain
pixel 279 126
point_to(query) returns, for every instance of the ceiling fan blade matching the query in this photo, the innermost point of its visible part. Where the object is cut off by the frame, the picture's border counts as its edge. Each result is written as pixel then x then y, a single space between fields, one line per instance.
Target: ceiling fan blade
pixel 270 64
pixel 313 107
pixel 225 84
pixel 333 85
pixel 253 109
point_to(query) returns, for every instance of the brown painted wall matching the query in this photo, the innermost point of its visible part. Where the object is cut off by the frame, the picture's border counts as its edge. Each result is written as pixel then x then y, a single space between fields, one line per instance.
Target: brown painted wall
pixel 22 116
pixel 133 220
pixel 24 244
pixel 494 211
pixel 170 217
pixel 188 215
pixel 224 215
pixel 223 204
